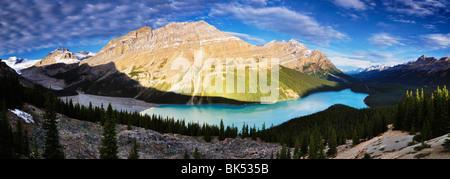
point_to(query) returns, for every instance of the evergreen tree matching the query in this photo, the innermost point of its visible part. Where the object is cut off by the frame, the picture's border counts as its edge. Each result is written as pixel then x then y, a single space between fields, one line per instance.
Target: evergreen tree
pixel 304 148
pixel 426 131
pixel 25 144
pixel 186 155
pixel 288 153
pixel 35 153
pixel 355 138
pixel 312 152
pixel 207 136
pixel 321 148
pixel 221 131
pixel 109 148
pixel 332 144
pixel 6 136
pixel 297 146
pixel 283 152
pixel 196 154
pixel 52 148
pixel 367 156
pixel 134 154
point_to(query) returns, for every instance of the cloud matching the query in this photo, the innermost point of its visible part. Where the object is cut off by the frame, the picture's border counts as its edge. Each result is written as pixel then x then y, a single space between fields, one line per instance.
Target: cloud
pixel 350 4
pixel 403 21
pixel 28 25
pixel 384 40
pixel 280 19
pixel 436 41
pixel 419 8
pixel 246 37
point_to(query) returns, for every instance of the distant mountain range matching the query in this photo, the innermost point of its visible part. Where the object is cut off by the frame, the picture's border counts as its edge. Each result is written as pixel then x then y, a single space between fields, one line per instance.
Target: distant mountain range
pixel 139 65
pixel 371 68
pixel 423 71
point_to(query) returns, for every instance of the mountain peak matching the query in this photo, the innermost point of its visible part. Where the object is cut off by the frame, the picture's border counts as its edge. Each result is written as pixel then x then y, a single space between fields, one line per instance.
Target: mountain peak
pixel 61 49
pixel 60 55
pixel 425 58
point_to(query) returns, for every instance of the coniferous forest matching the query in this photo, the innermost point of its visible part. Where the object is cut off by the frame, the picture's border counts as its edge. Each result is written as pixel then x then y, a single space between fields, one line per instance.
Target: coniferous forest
pixel 423 114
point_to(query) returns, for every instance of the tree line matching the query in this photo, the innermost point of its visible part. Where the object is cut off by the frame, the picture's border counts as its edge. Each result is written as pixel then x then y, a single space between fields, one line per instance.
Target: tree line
pixel 309 135
pixel 424 114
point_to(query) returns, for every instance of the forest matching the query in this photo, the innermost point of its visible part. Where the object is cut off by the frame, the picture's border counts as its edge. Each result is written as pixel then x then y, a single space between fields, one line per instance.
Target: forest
pixel 424 114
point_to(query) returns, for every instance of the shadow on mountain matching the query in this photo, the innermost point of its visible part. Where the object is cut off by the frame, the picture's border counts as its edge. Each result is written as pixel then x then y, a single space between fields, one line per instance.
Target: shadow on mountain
pixel 106 80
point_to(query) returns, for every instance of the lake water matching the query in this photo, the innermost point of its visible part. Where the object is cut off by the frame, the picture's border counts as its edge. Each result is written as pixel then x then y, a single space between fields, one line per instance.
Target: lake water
pixel 258 114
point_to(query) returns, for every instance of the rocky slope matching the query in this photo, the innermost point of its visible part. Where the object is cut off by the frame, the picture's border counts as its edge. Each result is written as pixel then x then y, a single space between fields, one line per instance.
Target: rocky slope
pixel 394 145
pixel 81 140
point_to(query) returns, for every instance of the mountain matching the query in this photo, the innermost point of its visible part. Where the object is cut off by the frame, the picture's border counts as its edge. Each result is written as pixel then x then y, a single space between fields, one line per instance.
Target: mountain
pixel 148 47
pixel 19 64
pixel 81 55
pixel 59 55
pixel 7 71
pixel 424 71
pixel 371 68
pixel 140 65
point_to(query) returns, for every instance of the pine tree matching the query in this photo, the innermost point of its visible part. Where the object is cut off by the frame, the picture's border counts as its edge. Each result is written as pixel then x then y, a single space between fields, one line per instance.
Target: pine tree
pixel 283 152
pixel 355 138
pixel 304 148
pixel 52 148
pixel 288 153
pixel 321 148
pixel 109 148
pixel 186 155
pixel 332 144
pixel 35 153
pixel 196 154
pixel 6 135
pixel 312 152
pixel 25 144
pixel 297 146
pixel 134 154
pixel 221 131
pixel 207 136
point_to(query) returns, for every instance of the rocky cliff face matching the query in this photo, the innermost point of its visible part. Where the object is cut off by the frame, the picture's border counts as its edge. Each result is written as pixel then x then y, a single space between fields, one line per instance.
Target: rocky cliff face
pixel 82 140
pixel 60 55
pixel 146 48
pixel 147 55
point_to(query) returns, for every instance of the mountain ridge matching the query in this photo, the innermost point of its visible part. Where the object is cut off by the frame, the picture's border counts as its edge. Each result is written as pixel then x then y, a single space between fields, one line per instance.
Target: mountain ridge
pixel 423 71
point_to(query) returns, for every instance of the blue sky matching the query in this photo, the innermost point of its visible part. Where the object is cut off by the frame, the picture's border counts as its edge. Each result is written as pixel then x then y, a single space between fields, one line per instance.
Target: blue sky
pixel 352 33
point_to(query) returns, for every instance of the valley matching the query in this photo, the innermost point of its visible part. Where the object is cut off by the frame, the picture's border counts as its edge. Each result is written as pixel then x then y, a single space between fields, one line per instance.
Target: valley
pixel 153 87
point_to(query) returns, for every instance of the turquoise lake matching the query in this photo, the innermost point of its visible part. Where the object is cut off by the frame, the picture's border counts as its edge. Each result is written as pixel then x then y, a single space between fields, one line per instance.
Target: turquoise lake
pixel 258 114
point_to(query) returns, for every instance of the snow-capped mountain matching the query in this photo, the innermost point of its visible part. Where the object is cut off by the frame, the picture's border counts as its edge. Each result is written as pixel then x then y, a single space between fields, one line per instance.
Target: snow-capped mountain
pixel 371 68
pixel 19 64
pixel 59 55
pixel 81 55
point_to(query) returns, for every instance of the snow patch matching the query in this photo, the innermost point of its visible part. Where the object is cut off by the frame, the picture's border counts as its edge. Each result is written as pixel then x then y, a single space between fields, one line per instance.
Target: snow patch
pixel 84 54
pixel 19 64
pixel 25 116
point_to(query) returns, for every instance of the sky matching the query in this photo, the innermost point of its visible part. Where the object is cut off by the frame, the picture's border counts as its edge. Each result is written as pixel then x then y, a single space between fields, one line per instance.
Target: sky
pixel 352 33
